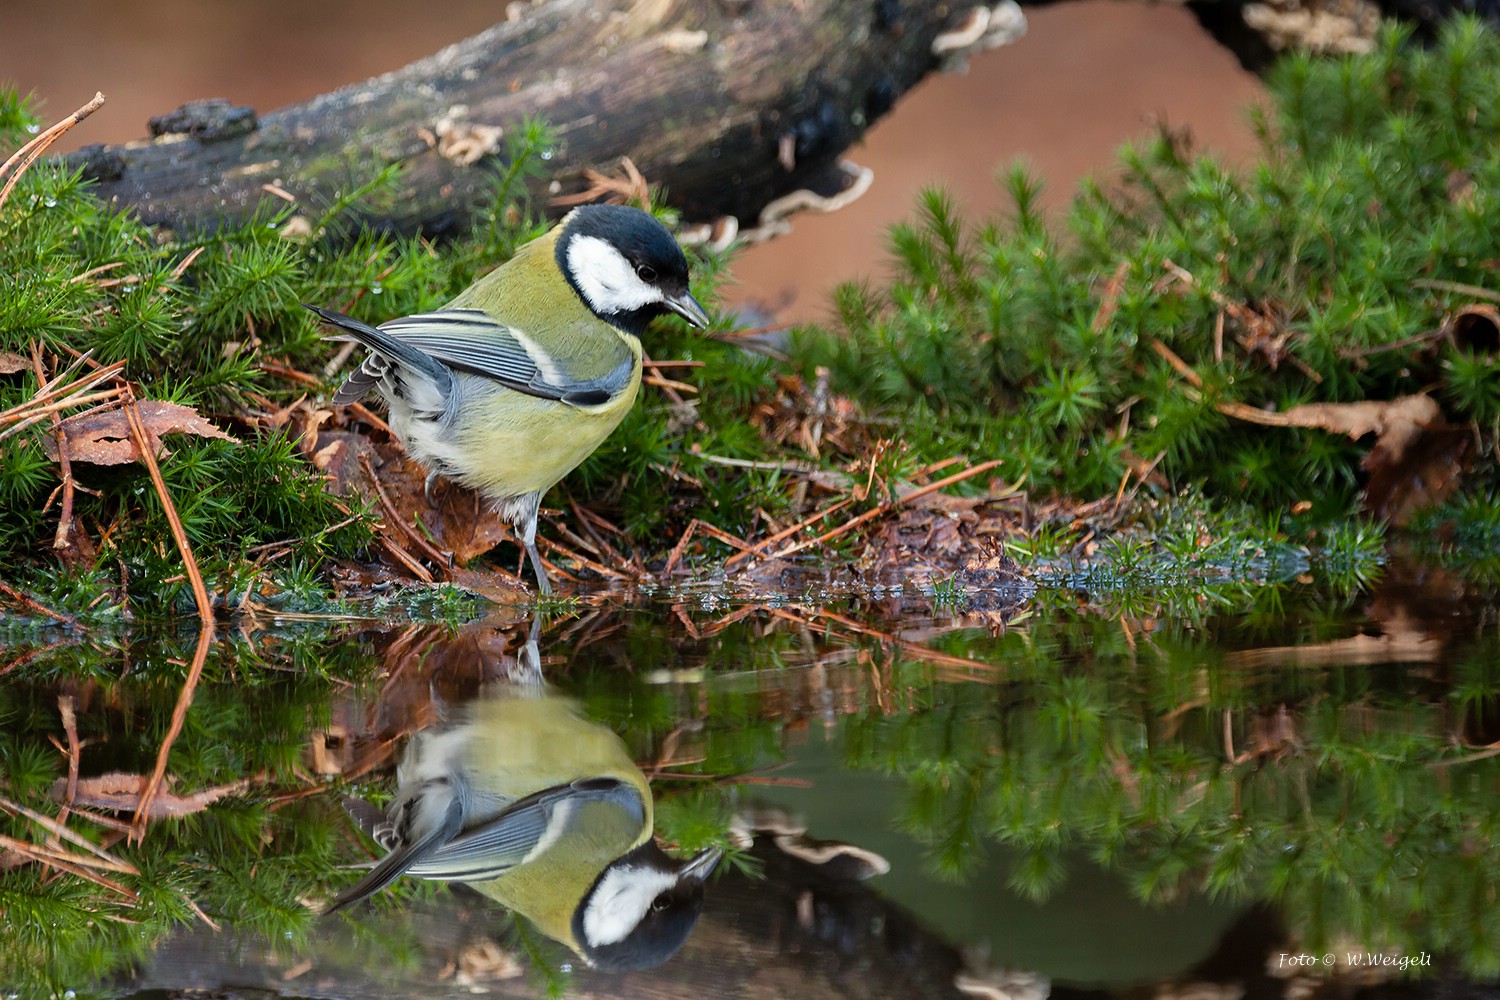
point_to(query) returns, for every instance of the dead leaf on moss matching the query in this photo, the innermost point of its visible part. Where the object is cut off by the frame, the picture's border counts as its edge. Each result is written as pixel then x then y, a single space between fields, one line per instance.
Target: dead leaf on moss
pixel 12 363
pixel 457 520
pixel 102 436
pixel 1416 460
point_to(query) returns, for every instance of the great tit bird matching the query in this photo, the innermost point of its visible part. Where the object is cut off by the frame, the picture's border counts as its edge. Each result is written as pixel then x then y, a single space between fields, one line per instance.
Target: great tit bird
pixel 542 810
pixel 510 386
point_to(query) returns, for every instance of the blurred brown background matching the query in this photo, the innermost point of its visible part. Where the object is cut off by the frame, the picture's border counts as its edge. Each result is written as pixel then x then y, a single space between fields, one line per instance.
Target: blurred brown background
pixel 1088 76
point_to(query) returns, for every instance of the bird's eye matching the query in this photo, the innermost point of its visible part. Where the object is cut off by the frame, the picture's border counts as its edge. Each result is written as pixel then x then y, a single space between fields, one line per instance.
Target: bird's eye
pixel 659 903
pixel 646 273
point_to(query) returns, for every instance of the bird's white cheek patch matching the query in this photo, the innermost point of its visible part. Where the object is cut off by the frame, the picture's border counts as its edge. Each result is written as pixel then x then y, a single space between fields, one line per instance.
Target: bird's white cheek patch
pixel 606 278
pixel 620 901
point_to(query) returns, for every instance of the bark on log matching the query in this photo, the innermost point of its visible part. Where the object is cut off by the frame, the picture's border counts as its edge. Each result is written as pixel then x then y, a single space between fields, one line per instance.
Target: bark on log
pixel 731 105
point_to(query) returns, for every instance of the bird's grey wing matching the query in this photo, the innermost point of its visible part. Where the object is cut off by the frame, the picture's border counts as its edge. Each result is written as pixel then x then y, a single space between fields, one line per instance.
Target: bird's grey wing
pixel 386 351
pixel 473 340
pixel 405 858
pixel 488 850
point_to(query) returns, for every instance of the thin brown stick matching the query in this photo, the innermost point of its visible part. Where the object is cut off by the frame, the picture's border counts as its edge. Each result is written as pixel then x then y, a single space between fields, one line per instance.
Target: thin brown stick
pixel 56 388
pixel 42 853
pixel 1456 287
pixel 65 516
pixel 580 559
pixel 785 533
pixel 179 716
pixel 887 506
pixel 36 416
pixel 1181 366
pixel 75 753
pixel 708 529
pixel 913 649
pixel 74 864
pixel 31 603
pixel 406 559
pixel 179 534
pixel 110 862
pixel 22 159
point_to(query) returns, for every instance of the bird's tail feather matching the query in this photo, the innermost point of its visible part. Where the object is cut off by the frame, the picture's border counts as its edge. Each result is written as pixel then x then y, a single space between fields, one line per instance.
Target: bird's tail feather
pixel 386 351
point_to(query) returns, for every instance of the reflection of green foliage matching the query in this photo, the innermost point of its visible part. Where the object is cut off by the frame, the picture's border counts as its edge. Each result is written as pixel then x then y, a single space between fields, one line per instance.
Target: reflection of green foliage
pixel 1346 801
pixel 249 722
pixel 1340 792
pixel 1464 535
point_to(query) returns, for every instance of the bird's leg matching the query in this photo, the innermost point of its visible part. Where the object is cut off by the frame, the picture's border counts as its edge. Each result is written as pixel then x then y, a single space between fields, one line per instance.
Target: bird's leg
pixel 529 659
pixel 432 477
pixel 528 541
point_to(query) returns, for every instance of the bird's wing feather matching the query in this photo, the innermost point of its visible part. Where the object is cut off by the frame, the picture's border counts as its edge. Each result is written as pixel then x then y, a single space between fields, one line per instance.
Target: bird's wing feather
pixel 387 351
pixel 403 859
pixel 490 849
pixel 473 340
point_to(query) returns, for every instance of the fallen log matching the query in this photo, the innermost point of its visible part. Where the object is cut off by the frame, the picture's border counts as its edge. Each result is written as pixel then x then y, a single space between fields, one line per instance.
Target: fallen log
pixel 740 109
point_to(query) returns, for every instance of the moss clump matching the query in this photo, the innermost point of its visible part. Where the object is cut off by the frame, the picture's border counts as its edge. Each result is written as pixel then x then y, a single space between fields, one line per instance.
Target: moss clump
pixel 1123 358
pixel 1321 273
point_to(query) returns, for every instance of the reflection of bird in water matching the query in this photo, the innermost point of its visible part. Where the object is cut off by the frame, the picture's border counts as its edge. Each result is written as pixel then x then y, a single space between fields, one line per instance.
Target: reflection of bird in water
pixel 543 810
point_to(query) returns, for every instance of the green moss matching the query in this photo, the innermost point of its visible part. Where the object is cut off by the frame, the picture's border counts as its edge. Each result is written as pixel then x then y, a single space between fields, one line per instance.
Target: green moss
pixel 1307 276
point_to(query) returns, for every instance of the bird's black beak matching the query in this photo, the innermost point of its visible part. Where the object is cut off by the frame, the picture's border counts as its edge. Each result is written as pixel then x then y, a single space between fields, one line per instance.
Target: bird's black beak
pixel 688 308
pixel 704 862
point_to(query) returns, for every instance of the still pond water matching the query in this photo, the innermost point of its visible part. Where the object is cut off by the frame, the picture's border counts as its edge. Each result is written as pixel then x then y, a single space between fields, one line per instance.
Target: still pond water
pixel 1272 791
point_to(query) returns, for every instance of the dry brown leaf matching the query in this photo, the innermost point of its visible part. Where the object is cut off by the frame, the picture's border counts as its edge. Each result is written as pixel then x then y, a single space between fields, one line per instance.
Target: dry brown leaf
pixel 120 792
pixel 1416 461
pixel 1396 421
pixel 12 363
pixel 102 436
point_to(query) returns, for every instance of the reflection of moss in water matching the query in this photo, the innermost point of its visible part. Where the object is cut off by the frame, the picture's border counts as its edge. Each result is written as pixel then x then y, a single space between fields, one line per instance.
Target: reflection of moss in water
pixel 246 861
pixel 1090 929
pixel 1093 739
pixel 1346 801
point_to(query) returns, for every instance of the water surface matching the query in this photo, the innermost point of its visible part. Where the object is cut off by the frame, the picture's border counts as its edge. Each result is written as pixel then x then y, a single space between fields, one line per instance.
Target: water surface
pixel 1275 791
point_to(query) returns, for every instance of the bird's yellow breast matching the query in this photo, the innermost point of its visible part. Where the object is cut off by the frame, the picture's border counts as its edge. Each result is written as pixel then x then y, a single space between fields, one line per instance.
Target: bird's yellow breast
pixel 539 441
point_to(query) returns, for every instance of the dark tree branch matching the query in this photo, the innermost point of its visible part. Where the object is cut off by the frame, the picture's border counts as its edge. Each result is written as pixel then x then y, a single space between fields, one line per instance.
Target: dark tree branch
pixel 731 105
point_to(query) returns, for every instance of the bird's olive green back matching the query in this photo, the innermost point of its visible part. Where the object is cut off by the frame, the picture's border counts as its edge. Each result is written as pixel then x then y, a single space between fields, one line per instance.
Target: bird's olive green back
pixel 530 294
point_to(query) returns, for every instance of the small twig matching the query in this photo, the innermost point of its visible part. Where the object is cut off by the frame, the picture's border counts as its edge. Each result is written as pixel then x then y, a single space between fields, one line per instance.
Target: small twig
pixel 1181 366
pixel 580 559
pixel 21 423
pixel 694 526
pixel 179 716
pixel 886 506
pixel 110 862
pixel 74 864
pixel 406 559
pixel 65 516
pixel 914 649
pixel 31 603
pixel 785 533
pixel 1456 287
pixel 75 752
pixel 289 373
pixel 179 534
pixel 745 463
pixel 668 384
pixel 22 159
pixel 187 262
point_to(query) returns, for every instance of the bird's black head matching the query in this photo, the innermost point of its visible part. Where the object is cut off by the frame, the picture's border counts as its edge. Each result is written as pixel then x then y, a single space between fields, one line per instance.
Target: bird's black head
pixel 625 267
pixel 641 909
